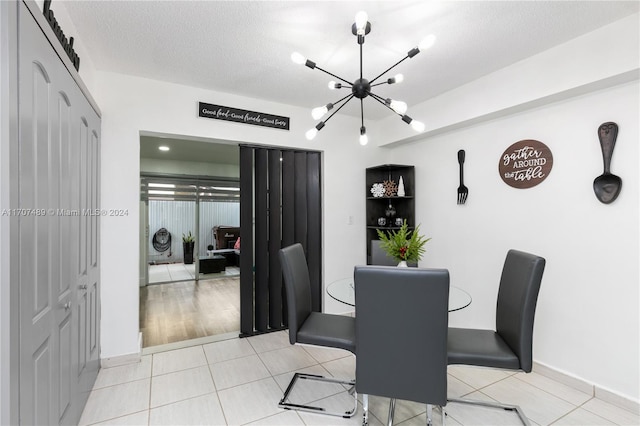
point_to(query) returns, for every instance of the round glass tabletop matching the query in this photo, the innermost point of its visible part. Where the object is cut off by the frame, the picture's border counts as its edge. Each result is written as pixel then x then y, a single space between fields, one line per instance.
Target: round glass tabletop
pixel 344 291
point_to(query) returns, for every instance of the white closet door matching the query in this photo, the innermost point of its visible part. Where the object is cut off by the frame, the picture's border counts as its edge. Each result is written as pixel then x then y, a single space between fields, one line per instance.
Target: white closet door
pixel 58 257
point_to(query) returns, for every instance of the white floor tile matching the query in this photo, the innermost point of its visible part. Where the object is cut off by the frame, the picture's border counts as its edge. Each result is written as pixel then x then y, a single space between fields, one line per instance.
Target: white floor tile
pixel 477 377
pixel 136 419
pixel 611 412
pixel 238 371
pixel 250 375
pixel 179 359
pixel 322 354
pixel 227 349
pixel 582 417
pixel 287 359
pixel 288 418
pixel 343 368
pixel 558 389
pixel 124 373
pixel 538 405
pixel 116 401
pixel 202 410
pixel 340 402
pixel 306 391
pixel 253 401
pixel 269 341
pixel 476 415
pixel 174 387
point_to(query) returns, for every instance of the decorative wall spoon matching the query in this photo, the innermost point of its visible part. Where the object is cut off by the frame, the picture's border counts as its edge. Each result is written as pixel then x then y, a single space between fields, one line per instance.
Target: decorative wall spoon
pixel 607 186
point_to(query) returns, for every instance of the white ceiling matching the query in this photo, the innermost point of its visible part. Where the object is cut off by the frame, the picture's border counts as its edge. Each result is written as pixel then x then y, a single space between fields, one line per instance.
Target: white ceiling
pixel 244 47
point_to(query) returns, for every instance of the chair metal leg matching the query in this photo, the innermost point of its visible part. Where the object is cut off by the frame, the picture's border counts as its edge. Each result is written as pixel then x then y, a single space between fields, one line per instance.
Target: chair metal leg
pixel 392 409
pixel 506 407
pixel 365 410
pixel 318 410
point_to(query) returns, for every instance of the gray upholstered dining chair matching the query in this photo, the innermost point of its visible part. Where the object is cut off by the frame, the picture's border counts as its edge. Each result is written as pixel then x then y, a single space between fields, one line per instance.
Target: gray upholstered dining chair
pixel 312 328
pixel 510 346
pixel 401 335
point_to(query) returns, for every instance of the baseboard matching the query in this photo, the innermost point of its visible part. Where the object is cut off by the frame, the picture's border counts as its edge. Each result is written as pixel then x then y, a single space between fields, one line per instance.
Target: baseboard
pixel 588 388
pixel 618 400
pixel 117 361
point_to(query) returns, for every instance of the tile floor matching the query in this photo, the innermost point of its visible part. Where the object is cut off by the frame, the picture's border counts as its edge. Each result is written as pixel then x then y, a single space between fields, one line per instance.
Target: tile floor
pixel 240 381
pixel 180 272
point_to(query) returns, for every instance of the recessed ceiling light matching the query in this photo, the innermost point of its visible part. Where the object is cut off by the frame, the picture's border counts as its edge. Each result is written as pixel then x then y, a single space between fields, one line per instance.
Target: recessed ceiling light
pixel 163 148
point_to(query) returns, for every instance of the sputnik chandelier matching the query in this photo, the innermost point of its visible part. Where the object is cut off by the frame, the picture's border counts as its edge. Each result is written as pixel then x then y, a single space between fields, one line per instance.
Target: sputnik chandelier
pixel 361 88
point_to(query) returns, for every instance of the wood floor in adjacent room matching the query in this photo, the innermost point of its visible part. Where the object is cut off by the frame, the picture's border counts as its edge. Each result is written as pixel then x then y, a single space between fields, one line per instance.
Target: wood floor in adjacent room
pixel 178 311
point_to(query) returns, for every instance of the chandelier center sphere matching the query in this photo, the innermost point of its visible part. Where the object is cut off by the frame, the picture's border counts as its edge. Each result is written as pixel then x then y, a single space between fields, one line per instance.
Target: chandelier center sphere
pixel 361 88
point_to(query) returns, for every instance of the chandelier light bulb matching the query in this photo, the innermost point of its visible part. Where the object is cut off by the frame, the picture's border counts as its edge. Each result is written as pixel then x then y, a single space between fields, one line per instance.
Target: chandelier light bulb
pixel 333 85
pixel 364 139
pixel 398 78
pixel 311 134
pixel 361 22
pixel 418 126
pixel 297 58
pixel 319 112
pixel 398 106
pixel 427 42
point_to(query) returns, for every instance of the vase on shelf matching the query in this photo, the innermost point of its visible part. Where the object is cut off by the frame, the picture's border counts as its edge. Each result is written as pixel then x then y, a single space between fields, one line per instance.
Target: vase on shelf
pixel 401 188
pixel 403 264
pixel 390 213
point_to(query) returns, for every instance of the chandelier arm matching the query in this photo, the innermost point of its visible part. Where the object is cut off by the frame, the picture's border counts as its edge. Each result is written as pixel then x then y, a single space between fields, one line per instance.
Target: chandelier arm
pixel 361 112
pixel 381 100
pixel 361 61
pixel 333 75
pixel 379 84
pixel 390 68
pixel 342 99
pixel 339 108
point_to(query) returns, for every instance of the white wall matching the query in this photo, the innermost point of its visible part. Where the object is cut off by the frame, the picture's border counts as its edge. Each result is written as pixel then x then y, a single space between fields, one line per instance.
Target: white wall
pixel 587 317
pixel 130 105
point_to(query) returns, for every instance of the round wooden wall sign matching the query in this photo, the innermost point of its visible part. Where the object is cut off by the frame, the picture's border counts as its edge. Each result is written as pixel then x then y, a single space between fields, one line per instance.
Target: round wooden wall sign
pixel 525 164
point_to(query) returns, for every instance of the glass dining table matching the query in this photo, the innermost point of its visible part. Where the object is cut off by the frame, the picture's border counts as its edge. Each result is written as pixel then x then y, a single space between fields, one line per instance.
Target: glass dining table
pixel 343 291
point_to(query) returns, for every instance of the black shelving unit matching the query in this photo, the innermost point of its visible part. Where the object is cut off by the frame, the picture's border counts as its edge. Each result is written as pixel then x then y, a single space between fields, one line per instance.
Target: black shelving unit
pixel 377 206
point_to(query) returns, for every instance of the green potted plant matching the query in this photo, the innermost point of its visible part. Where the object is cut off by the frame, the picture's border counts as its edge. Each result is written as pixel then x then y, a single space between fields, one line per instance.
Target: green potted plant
pixel 403 245
pixel 188 243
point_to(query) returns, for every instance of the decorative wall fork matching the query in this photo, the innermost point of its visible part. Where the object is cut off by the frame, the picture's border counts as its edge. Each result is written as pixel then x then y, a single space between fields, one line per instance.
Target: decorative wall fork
pixel 463 191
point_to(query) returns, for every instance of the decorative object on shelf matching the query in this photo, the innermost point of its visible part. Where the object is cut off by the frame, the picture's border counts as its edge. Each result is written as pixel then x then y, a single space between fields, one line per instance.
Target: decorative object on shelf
pixel 377 190
pixel 403 245
pixel 607 186
pixel 463 191
pixel 188 243
pixel 390 188
pixel 361 87
pixel 390 212
pixel 401 192
pixel 399 221
pixel 382 221
pixel 525 164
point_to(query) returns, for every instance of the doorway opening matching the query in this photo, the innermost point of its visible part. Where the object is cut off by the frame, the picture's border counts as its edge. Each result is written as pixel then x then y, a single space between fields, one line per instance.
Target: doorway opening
pixel 189 213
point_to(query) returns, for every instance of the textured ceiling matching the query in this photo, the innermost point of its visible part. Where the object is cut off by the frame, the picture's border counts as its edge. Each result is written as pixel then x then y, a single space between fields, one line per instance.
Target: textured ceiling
pixel 244 47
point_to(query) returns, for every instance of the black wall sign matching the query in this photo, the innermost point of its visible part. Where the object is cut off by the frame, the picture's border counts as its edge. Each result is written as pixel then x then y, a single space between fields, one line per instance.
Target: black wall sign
pixel 67 45
pixel 220 112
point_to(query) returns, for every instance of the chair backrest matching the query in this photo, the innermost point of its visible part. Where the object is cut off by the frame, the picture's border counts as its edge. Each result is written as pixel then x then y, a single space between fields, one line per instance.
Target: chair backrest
pixel 401 332
pixel 517 299
pixel 297 286
pixel 379 256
